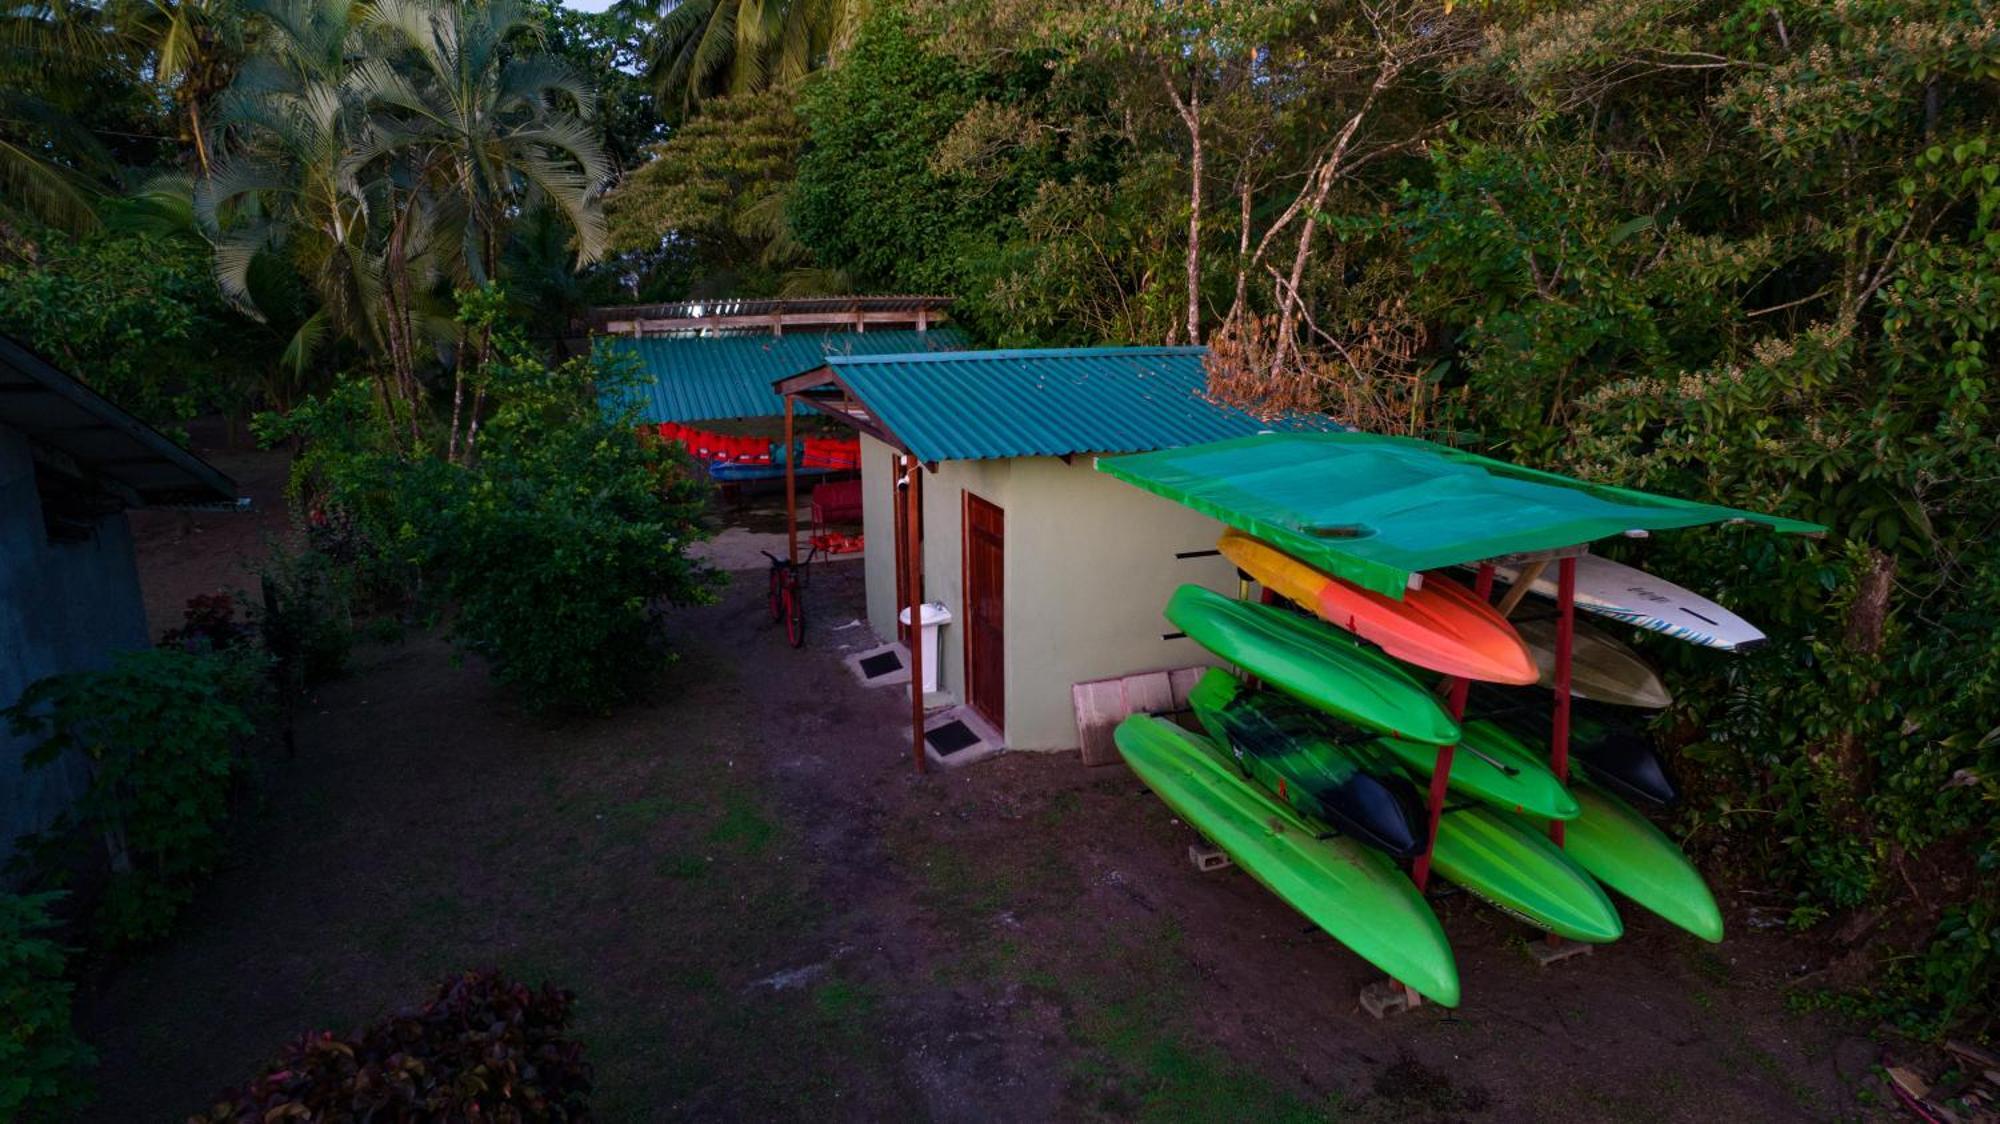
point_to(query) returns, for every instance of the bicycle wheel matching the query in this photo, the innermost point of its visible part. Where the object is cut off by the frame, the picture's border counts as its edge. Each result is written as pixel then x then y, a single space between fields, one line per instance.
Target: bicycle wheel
pixel 777 598
pixel 795 616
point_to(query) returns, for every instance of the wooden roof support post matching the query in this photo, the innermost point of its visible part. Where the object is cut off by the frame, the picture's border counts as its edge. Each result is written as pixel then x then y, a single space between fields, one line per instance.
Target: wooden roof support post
pixel 913 485
pixel 791 490
pixel 1565 645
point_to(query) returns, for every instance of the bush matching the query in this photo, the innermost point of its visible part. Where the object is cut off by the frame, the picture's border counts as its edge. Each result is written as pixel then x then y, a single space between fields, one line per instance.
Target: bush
pixel 307 616
pixel 549 542
pixel 160 730
pixel 483 1048
pixel 42 1061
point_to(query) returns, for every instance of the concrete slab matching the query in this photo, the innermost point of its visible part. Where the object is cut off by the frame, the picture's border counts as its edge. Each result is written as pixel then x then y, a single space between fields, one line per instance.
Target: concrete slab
pixel 988 741
pixel 867 665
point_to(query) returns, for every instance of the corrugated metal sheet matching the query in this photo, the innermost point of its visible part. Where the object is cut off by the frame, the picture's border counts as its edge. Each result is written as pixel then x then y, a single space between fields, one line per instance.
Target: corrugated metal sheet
pixel 709 377
pixel 973 405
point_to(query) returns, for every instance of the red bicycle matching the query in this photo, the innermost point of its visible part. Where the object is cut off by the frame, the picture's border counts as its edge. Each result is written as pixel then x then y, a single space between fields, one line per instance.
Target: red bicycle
pixel 787 597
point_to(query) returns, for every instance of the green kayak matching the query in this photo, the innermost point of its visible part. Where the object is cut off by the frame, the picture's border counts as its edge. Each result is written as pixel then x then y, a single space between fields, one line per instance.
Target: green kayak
pixel 1514 868
pixel 1291 750
pixel 1627 853
pixel 1313 662
pixel 1355 894
pixel 1500 859
pixel 1494 766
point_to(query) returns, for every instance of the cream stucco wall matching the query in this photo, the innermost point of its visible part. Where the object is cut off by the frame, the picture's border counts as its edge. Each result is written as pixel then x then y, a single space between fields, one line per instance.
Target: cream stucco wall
pixel 1090 563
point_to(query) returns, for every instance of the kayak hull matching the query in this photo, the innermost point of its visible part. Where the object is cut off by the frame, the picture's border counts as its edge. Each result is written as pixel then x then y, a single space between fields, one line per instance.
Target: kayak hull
pixel 1441 625
pixel 1627 852
pixel 1357 895
pixel 1521 871
pixel 1314 663
pixel 1601 669
pixel 1288 749
pixel 1492 766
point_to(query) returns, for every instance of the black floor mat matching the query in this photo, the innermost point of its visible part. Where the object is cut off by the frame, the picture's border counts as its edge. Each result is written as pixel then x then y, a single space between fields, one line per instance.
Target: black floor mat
pixel 880 664
pixel 951 737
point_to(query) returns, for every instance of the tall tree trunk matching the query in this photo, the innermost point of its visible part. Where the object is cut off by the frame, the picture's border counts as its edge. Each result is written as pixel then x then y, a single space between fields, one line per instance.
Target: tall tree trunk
pixel 1320 185
pixel 1189 109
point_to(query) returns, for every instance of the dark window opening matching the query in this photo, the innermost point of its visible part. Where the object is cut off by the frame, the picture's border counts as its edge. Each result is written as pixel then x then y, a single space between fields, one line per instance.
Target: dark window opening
pixel 71 506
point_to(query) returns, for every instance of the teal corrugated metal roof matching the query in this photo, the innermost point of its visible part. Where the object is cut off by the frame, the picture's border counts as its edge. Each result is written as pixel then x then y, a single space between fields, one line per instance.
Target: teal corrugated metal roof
pixel 972 405
pixel 689 379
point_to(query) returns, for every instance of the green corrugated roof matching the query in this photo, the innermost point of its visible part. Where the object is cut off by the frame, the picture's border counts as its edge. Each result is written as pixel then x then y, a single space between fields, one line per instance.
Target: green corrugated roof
pixel 973 405
pixel 689 379
pixel 1376 509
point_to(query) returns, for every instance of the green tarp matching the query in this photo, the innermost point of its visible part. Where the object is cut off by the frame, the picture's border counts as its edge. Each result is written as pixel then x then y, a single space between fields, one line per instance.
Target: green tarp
pixel 1375 509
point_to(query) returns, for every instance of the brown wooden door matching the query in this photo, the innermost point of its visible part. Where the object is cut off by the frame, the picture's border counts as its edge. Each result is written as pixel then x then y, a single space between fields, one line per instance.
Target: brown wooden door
pixel 985 609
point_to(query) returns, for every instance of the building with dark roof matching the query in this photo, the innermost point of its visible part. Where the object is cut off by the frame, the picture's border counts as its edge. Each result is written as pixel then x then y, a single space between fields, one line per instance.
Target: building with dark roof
pixel 71 464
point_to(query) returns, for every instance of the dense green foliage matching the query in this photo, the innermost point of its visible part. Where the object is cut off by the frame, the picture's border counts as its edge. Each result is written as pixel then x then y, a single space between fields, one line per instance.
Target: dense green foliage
pixel 42 1061
pixel 1739 252
pixel 550 540
pixel 135 312
pixel 483 1048
pixel 162 733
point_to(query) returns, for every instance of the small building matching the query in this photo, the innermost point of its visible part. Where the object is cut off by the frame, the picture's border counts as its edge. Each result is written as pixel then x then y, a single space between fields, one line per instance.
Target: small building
pixel 71 464
pixel 1053 574
pixel 717 360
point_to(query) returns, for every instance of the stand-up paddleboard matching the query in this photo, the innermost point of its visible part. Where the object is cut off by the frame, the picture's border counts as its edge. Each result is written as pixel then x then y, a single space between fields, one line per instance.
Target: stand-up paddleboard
pixel 1493 766
pixel 1626 852
pixel 1442 626
pixel 1314 663
pixel 1289 749
pixel 1600 668
pixel 1516 869
pixel 1355 894
pixel 1615 755
pixel 1615 590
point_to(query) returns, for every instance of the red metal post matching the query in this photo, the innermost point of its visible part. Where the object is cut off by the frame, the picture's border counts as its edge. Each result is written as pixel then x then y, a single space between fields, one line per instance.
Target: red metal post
pixel 1441 768
pixel 791 491
pixel 1565 642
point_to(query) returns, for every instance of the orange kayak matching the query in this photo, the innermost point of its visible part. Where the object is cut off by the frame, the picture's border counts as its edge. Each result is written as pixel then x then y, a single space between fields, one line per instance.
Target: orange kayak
pixel 1442 626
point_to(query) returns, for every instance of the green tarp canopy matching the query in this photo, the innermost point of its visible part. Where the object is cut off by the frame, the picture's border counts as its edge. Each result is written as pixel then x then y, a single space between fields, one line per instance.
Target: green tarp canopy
pixel 1375 509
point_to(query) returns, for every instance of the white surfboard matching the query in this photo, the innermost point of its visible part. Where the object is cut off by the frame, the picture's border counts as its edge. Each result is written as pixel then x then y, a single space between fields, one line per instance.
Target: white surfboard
pixel 1622 593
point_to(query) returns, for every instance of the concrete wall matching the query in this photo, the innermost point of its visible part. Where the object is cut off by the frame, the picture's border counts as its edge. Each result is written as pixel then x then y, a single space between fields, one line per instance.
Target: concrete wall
pixel 1089 566
pixel 63 607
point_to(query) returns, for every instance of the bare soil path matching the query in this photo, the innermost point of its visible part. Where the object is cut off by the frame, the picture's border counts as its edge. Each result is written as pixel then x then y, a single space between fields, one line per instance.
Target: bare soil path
pixel 766 915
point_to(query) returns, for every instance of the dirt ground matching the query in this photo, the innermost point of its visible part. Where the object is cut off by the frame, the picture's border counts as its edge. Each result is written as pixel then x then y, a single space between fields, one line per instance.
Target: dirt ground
pixel 766 915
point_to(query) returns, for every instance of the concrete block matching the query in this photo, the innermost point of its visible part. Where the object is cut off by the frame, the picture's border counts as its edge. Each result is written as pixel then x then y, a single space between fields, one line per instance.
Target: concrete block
pixel 1384 998
pixel 1206 858
pixel 1550 952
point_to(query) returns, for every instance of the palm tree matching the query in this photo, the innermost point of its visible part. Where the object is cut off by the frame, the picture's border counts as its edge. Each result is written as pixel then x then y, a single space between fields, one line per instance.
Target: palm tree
pixel 699 49
pixel 486 129
pixel 52 168
pixel 195 45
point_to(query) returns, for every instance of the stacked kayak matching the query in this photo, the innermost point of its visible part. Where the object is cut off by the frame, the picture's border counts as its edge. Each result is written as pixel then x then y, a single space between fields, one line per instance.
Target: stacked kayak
pixel 1356 894
pixel 1498 858
pixel 1311 773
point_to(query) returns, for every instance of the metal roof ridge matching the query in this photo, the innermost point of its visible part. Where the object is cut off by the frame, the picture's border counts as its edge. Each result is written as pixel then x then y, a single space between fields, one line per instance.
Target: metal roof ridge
pixel 1011 353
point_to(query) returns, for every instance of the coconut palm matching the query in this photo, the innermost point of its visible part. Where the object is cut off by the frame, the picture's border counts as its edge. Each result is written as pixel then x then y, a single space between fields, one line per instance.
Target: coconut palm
pixel 487 130
pixel 51 167
pixel 194 45
pixel 698 49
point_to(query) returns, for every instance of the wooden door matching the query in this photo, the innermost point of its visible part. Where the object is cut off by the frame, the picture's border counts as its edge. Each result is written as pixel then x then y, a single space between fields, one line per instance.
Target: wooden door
pixel 985 609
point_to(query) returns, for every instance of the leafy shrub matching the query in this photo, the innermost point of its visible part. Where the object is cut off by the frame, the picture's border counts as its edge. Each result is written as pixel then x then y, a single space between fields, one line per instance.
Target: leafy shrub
pixel 549 543
pixel 160 730
pixel 483 1048
pixel 42 1061
pixel 307 616
pixel 208 624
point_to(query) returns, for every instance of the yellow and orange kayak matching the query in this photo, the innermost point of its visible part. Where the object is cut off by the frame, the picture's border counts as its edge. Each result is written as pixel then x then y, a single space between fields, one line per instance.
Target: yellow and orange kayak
pixel 1442 626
